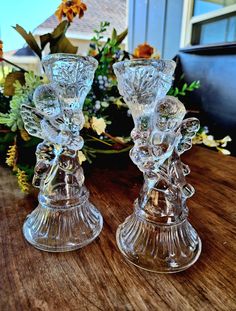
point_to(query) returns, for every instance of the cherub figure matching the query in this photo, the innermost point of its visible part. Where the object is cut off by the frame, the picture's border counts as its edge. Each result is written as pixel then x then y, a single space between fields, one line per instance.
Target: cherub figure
pixel 49 121
pixel 163 170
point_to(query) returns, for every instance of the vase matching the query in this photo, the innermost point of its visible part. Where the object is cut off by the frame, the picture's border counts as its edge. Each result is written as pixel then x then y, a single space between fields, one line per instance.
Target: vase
pixel 158 236
pixel 65 219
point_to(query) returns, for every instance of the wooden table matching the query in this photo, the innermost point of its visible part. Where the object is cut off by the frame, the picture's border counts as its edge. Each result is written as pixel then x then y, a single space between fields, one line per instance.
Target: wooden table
pixel 97 277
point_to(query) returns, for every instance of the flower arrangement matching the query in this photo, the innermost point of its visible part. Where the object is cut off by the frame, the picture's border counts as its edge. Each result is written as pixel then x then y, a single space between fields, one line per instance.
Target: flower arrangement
pixel 107 118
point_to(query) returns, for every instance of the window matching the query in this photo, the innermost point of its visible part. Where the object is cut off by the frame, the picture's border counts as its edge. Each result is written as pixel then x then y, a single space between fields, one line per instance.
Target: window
pixel 208 22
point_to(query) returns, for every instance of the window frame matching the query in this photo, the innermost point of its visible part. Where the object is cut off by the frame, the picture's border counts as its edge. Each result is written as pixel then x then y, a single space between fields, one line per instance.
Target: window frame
pixel 188 21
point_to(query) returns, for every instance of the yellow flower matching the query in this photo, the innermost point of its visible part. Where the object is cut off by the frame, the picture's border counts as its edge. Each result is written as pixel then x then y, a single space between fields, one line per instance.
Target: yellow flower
pixel 69 9
pixel 98 125
pixel 197 140
pixel 22 180
pixel 24 135
pixel 203 138
pixel 209 141
pixel 119 103
pixel 81 157
pixel 86 123
pixel 156 55
pixel 11 156
pixel 45 79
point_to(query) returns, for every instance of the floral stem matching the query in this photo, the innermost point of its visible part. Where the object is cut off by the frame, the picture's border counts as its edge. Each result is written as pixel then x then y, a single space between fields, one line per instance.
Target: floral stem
pixel 100 140
pixel 120 104
pixel 114 139
pixel 10 63
pixel 112 151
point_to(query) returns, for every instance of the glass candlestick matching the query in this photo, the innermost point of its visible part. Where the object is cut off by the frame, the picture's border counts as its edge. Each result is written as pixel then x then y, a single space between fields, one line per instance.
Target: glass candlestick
pixel 64 219
pixel 158 236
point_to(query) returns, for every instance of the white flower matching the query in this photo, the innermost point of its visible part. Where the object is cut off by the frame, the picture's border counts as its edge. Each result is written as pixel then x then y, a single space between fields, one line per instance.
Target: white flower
pixel 81 157
pixel 224 151
pixel 225 140
pixel 209 141
pixel 98 125
pixel 97 106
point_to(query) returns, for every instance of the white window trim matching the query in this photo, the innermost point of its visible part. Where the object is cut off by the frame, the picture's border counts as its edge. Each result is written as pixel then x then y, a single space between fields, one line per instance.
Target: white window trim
pixel 188 20
pixel 186 32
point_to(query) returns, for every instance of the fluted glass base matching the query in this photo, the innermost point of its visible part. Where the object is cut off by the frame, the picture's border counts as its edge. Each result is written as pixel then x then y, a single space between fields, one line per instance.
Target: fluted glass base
pixel 62 230
pixel 156 247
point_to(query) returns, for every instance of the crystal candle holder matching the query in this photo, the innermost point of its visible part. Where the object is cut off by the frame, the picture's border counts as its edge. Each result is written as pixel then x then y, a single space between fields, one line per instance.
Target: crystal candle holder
pixel 158 236
pixel 64 219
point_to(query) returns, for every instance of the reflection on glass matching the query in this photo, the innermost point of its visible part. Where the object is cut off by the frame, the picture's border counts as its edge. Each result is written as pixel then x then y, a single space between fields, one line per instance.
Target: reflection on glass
pixel 206 6
pixel 213 32
pixel 231 35
pixel 217 31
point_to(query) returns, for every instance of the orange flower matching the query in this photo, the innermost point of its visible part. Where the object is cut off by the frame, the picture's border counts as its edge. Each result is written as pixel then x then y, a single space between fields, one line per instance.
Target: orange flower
pixel 92 52
pixel 143 51
pixel 69 9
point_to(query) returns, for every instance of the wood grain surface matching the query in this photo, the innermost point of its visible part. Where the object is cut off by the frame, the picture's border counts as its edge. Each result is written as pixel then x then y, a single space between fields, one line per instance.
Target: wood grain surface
pixel 97 277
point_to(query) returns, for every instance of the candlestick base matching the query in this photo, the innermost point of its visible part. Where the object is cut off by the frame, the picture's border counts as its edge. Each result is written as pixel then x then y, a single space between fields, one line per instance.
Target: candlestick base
pixel 62 229
pixel 156 247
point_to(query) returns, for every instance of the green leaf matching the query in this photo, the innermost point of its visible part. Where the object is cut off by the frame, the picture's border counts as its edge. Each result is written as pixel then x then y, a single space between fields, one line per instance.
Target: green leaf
pixel 176 92
pixel 58 41
pixel 171 91
pixel 122 36
pixel 60 30
pixel 29 38
pixel 104 104
pixel 45 39
pixel 194 85
pixel 12 77
pixel 32 142
pixel 7 138
pixel 184 87
pixel 63 45
pixel 14 127
pixel 114 34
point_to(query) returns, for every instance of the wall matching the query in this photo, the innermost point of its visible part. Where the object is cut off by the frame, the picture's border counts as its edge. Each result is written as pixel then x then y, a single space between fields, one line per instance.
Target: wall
pixel 157 22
